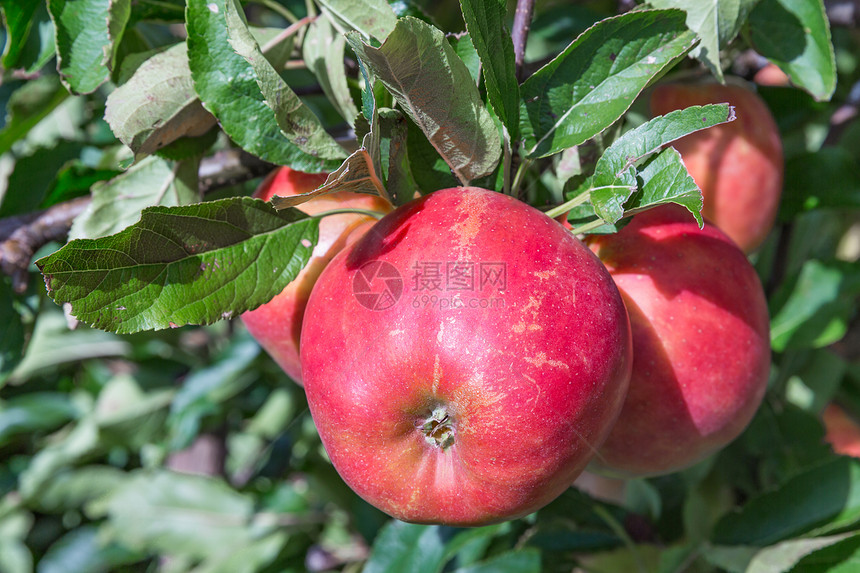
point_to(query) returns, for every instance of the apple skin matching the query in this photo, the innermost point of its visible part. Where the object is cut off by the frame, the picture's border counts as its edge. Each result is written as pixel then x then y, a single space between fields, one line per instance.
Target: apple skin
pixel 701 346
pixel 843 433
pixel 738 165
pixel 277 324
pixel 531 385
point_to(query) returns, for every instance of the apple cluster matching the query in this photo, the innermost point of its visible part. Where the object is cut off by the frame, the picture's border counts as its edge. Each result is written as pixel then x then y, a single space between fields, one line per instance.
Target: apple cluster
pixel 466 357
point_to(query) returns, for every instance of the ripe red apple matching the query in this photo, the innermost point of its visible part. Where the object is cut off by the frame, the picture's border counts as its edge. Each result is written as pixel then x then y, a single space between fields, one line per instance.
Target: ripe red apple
pixel 738 165
pixel 277 324
pixel 464 359
pixel 701 346
pixel 843 433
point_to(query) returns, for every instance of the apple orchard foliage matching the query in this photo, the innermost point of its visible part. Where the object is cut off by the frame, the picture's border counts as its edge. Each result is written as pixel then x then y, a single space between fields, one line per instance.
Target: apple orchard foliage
pixel 159 436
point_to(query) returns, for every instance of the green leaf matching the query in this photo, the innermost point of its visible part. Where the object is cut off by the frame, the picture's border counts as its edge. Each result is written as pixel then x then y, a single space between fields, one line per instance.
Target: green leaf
pixel 614 178
pixel 840 557
pixel 407 547
pixel 182 265
pixel 117 203
pixel 813 309
pixel 297 122
pixel 485 21
pixel 822 499
pixel 33 176
pixel 795 35
pixel 433 86
pixel 465 49
pixel 825 179
pixel 18 17
pixel 29 105
pixel 179 514
pixel 74 489
pixel 523 561
pixel 430 171
pixel 158 104
pixel 204 389
pixel 323 51
pixel 399 182
pixel 587 87
pixel 373 18
pixel 158 10
pixel 81 549
pixel 88 34
pixel 17 317
pixel 716 22
pixel 665 180
pixel 35 412
pixel 228 87
pixel 81 442
pixel 788 555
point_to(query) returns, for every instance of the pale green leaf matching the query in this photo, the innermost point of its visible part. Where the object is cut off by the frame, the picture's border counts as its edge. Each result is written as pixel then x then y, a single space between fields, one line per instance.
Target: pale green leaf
pixel 158 104
pixel 323 51
pixel 373 18
pixel 117 203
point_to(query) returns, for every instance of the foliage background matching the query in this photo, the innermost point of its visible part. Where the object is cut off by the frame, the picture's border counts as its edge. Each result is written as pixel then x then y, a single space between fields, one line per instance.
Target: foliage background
pixel 189 450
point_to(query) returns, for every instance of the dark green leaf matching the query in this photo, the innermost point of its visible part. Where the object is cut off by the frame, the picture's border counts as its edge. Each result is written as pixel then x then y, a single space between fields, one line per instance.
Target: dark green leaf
pixel 433 86
pixel 373 18
pixel 18 17
pixel 665 180
pixel 75 179
pixel 182 265
pixel 88 34
pixel 117 203
pixel 795 35
pixel 824 498
pixel 228 87
pixel 17 317
pixel 825 179
pixel 586 88
pixel 34 175
pixel 297 122
pixel 485 21
pixel 815 306
pixel 523 561
pixel 399 182
pixel 430 171
pixel 716 23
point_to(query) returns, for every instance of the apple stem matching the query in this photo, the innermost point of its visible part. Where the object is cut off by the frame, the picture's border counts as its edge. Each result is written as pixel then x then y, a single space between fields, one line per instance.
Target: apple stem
pixel 438 430
pixel 567 206
pixel 369 213
pixel 591 225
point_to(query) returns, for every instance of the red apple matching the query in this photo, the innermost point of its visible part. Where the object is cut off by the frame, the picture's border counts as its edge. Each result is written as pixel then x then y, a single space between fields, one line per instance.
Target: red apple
pixel 277 324
pixel 843 433
pixel 464 359
pixel 771 75
pixel 738 165
pixel 701 346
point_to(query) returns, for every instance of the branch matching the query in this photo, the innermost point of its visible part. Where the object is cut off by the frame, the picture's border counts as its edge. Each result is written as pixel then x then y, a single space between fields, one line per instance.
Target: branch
pixel 22 235
pixel 520 34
